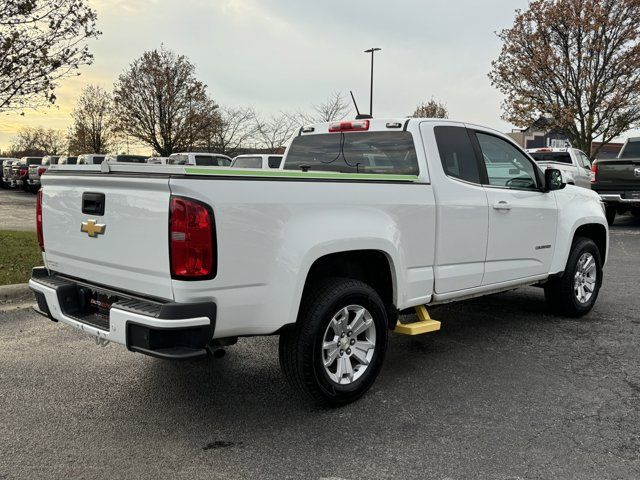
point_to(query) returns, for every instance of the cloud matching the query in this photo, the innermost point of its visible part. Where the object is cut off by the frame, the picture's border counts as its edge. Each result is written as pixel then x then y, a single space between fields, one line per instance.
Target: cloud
pixel 282 55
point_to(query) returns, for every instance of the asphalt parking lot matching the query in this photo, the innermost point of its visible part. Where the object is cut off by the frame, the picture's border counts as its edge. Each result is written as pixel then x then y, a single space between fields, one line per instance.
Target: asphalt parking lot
pixel 504 391
pixel 17 210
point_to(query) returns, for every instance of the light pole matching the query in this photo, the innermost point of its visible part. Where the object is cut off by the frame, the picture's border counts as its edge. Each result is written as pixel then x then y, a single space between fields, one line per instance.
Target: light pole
pixel 371 51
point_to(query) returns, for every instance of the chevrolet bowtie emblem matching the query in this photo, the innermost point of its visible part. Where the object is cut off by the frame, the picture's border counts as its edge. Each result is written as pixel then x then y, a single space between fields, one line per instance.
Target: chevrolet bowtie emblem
pixel 93 229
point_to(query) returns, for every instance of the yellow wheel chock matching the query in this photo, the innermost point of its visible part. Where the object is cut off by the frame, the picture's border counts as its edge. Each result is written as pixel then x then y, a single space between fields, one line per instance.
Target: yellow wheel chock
pixel 425 324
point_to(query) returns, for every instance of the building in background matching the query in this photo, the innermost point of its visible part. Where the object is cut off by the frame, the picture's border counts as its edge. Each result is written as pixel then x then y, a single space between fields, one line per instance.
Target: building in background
pixel 540 135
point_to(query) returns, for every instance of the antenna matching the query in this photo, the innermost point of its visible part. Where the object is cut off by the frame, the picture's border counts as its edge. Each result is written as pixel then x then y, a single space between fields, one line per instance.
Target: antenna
pixel 359 115
pixel 354 103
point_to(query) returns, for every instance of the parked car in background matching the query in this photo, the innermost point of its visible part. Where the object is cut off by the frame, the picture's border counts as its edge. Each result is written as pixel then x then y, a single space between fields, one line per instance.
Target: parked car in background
pixel 573 163
pixel 617 180
pixel 125 159
pixel 158 160
pixel 257 161
pixel 5 171
pixel 36 171
pixel 324 252
pixel 67 160
pixel 200 159
pixel 20 171
pixel 90 159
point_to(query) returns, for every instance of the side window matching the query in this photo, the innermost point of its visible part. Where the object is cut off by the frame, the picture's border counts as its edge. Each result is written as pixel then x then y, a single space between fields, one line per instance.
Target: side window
pixel 506 165
pixel 456 153
pixel 274 162
pixel 586 163
pixel 223 162
pixel 206 160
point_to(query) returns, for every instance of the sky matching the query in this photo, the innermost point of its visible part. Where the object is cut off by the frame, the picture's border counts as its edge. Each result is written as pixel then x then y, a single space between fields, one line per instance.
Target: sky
pixel 287 55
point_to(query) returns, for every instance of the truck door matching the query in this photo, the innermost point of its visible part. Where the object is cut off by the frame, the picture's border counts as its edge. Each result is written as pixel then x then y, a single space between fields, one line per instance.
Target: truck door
pixel 522 218
pixel 461 206
pixel 583 175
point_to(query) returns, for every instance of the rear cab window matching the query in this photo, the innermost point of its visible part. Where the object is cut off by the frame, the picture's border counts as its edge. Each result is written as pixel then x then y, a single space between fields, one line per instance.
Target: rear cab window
pixel 631 149
pixel 560 157
pixel 354 152
pixel 247 162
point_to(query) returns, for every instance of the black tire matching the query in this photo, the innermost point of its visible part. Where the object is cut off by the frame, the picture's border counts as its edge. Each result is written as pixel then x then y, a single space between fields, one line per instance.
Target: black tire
pixel 301 354
pixel 610 214
pixel 560 292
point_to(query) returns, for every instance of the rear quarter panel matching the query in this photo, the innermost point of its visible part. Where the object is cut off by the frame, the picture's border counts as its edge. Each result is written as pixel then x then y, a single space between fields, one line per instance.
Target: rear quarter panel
pixel 269 233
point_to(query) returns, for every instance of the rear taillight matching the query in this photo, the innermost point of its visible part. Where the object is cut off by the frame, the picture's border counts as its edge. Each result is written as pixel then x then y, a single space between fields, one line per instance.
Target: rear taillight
pixel 23 171
pixel 191 240
pixel 594 172
pixel 39 220
pixel 350 126
pixel 41 170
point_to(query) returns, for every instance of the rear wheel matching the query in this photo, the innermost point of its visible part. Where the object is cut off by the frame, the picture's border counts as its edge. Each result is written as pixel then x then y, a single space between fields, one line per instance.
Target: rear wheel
pixel 576 291
pixel 610 213
pixel 335 351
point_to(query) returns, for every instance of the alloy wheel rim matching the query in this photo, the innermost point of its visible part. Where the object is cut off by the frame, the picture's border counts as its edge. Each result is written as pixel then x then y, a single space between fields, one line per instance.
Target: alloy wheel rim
pixel 348 344
pixel 584 281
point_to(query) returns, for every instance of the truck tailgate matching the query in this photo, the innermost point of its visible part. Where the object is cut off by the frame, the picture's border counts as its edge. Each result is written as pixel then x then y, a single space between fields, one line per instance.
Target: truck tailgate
pixel 619 173
pixel 131 253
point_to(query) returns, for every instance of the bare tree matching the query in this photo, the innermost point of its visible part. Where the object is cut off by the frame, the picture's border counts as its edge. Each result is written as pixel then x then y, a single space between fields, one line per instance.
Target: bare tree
pixel 274 132
pixel 39 141
pixel 92 131
pixel 336 107
pixel 431 109
pixel 159 102
pixel 236 127
pixel 41 42
pixel 575 62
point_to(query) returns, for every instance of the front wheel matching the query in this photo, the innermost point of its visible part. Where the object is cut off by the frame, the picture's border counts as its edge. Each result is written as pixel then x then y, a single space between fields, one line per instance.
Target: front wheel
pixel 575 292
pixel 335 351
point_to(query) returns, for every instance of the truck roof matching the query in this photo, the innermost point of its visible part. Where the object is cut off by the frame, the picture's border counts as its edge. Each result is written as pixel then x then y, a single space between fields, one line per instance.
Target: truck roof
pixel 390 124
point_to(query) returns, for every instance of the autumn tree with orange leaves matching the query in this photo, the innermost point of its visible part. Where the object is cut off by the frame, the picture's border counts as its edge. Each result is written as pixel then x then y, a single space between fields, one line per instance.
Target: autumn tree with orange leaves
pixel 575 62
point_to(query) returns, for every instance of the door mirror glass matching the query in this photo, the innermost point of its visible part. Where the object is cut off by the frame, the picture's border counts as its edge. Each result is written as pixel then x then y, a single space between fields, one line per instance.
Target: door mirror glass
pixel 553 179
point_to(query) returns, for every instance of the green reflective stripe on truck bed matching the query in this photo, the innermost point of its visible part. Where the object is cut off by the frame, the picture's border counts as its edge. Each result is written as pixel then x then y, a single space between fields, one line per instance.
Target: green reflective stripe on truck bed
pixel 302 175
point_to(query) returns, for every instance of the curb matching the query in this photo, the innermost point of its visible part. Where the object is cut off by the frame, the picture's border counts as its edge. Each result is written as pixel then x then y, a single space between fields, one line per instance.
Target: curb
pixel 11 293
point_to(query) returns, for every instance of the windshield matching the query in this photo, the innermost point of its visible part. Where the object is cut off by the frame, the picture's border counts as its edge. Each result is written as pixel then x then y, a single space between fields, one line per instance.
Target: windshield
pixel 178 159
pixel 361 152
pixel 247 162
pixel 562 157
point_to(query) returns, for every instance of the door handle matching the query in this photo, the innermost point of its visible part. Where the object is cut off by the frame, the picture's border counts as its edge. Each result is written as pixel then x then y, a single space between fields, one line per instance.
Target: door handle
pixel 502 205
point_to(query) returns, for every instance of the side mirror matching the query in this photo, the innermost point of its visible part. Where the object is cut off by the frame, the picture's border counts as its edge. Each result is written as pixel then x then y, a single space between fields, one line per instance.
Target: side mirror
pixel 553 180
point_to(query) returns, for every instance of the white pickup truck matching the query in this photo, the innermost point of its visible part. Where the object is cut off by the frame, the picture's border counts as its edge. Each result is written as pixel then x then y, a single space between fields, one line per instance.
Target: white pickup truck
pixel 365 219
pixel 573 163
